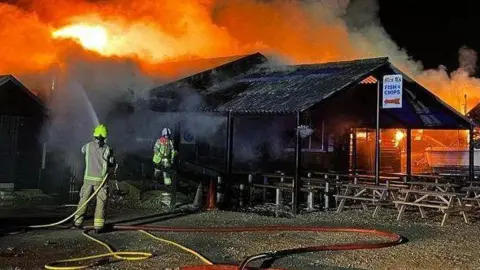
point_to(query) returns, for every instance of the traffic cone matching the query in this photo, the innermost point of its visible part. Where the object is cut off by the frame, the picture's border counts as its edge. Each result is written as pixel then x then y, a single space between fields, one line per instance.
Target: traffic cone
pixel 212 196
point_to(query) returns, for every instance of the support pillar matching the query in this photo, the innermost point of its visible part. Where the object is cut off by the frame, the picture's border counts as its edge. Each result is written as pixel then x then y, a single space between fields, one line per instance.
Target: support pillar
pixel 377 137
pixel 297 180
pixel 409 154
pixel 227 183
pixel 471 154
pixel 354 151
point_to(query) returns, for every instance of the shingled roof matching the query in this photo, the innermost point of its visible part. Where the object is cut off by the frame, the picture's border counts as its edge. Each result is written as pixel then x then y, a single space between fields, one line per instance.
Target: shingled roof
pixel 292 88
pixel 254 89
pixel 166 96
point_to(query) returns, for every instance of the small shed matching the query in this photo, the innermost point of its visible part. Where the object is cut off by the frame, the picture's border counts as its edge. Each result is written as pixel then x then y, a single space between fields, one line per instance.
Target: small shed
pixel 21 151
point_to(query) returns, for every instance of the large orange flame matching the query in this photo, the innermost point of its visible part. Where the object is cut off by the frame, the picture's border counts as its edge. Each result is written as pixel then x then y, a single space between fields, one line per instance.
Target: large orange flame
pixel 37 34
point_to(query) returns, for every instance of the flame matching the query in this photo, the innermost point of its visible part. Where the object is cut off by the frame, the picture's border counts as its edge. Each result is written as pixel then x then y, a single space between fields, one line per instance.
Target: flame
pixel 90 37
pixel 361 135
pixel 150 33
pixel 399 135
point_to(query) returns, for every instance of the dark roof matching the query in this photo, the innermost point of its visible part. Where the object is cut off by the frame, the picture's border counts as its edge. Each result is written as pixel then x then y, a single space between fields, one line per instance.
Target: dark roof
pixel 292 88
pixel 200 83
pixel 286 89
pixel 235 66
pixel 10 78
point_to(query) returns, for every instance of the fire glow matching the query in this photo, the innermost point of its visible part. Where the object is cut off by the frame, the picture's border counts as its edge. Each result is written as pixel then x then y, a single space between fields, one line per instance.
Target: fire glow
pixel 90 37
pixel 398 137
pixel 152 32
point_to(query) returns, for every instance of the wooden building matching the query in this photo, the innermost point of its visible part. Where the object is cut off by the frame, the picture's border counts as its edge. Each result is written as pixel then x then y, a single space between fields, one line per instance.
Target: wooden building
pixel 334 99
pixel 21 149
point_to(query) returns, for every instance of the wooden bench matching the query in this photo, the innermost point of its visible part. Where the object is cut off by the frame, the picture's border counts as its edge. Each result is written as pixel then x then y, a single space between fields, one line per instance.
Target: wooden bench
pixel 377 195
pixel 437 206
pixel 281 186
pixel 443 201
pixel 441 187
pixel 357 198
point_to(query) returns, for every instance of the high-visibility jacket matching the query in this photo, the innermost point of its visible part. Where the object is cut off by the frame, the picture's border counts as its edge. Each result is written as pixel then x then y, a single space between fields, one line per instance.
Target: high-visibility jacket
pixel 96 161
pixel 163 151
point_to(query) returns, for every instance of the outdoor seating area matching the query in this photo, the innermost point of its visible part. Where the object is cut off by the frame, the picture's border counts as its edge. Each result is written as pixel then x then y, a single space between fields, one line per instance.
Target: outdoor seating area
pixel 431 195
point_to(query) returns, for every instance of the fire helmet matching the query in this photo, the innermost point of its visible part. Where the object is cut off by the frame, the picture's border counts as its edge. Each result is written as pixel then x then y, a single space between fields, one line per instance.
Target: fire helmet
pixel 166 132
pixel 100 131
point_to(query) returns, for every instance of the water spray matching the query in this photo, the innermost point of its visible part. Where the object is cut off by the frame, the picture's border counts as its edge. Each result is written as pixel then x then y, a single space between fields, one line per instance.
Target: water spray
pixel 91 111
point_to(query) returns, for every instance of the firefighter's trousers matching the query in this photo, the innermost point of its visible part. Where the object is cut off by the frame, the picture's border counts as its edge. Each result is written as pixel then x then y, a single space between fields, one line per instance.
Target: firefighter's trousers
pixel 85 192
pixel 167 174
pixel 167 194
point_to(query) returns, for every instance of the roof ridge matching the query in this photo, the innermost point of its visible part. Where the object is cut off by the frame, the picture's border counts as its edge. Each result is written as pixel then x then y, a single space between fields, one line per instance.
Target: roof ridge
pixel 380 60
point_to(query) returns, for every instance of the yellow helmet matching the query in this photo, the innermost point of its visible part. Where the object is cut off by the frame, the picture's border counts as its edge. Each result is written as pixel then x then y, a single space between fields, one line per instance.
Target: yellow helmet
pixel 100 131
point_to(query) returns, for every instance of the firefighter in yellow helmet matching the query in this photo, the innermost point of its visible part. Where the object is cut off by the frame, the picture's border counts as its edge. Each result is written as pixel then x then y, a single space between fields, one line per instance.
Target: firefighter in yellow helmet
pixel 98 158
pixel 163 159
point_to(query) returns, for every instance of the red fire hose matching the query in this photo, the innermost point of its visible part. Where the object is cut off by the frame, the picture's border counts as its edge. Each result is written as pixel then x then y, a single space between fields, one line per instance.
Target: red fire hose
pixel 395 239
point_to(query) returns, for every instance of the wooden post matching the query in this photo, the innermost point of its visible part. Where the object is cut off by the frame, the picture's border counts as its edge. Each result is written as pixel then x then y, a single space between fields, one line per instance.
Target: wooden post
pixel 471 160
pixel 409 154
pixel 279 192
pixel 228 158
pixel 310 198
pixel 377 137
pixel 250 189
pixel 297 180
pixel 354 151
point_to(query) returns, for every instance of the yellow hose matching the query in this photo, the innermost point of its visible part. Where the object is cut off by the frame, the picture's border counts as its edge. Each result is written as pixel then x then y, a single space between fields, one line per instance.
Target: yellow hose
pixel 74 213
pixel 121 255
pixel 203 259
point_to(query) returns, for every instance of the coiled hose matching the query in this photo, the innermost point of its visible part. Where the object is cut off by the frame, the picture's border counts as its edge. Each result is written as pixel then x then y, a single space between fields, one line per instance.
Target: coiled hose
pixel 395 239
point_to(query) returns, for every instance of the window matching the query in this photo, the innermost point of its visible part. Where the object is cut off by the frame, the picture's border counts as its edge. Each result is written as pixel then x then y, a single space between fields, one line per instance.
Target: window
pixel 313 143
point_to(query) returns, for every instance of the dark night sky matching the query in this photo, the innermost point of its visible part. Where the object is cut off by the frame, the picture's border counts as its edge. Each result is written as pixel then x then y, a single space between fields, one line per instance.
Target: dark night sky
pixel 432 31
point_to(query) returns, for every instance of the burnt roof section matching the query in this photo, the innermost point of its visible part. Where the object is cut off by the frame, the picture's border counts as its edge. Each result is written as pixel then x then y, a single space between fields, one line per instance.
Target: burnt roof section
pixel 291 88
pixel 203 80
pixel 298 88
pixel 188 93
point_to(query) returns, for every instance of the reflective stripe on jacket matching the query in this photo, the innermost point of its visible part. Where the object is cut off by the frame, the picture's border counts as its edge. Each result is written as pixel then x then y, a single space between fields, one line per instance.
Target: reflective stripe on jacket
pixel 96 161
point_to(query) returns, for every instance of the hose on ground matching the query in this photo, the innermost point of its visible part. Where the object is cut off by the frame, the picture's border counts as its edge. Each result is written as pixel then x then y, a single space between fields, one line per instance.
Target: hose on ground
pixel 395 238
pixel 121 255
pixel 134 255
pixel 104 180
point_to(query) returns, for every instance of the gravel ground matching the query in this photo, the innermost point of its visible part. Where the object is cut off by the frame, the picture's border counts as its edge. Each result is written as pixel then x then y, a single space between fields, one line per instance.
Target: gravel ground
pixel 454 246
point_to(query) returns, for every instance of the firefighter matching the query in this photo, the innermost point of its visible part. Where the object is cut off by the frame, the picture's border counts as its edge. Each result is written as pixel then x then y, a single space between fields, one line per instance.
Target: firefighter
pixel 163 160
pixel 98 158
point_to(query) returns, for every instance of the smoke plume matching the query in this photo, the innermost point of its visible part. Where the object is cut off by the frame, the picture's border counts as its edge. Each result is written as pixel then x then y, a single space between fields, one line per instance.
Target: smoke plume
pixel 139 36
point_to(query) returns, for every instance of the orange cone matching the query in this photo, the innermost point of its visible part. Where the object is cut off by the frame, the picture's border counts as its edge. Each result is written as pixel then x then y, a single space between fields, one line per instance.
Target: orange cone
pixel 212 196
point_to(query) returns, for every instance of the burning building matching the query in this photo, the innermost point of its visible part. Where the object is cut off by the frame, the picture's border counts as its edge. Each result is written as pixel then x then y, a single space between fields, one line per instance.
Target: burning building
pixel 262 106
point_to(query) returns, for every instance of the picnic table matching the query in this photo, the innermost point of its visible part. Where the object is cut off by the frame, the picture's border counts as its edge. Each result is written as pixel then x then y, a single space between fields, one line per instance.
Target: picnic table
pixel 472 194
pixel 446 202
pixel 378 195
pixel 440 187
